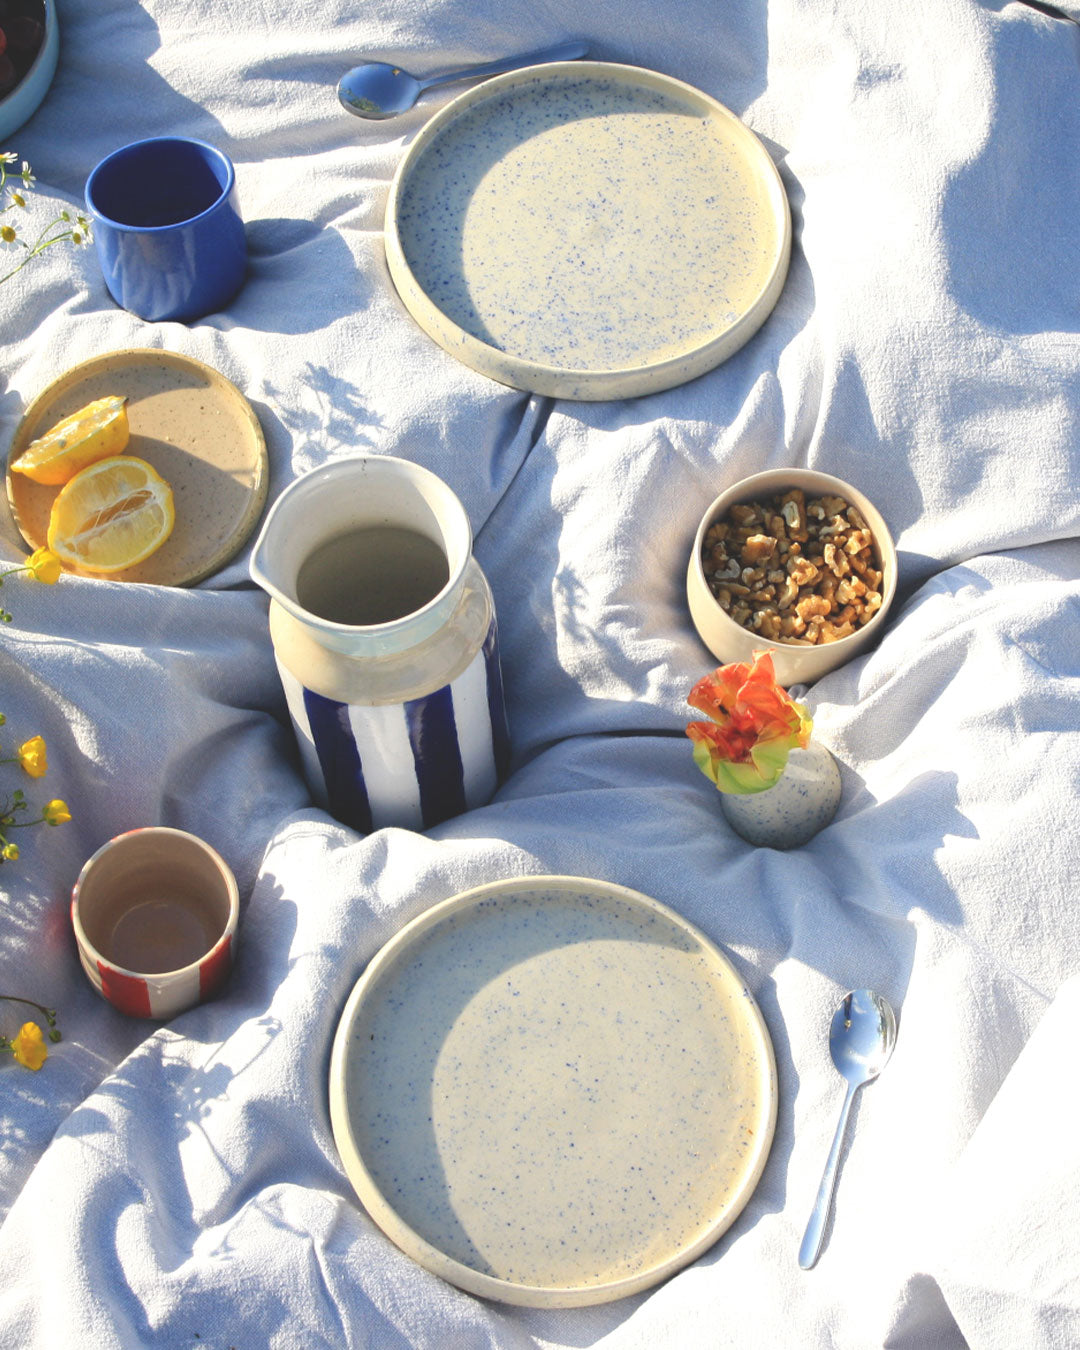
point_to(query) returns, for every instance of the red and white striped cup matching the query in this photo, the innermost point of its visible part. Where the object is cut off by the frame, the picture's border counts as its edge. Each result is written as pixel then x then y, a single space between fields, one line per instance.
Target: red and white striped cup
pixel 155 913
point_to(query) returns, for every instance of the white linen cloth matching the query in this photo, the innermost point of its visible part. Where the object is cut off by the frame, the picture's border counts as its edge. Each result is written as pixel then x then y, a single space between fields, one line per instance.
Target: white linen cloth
pixel 178 1184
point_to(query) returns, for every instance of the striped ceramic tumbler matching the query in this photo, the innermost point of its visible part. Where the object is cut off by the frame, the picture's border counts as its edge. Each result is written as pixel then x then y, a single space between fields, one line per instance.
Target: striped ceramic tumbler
pixel 385 637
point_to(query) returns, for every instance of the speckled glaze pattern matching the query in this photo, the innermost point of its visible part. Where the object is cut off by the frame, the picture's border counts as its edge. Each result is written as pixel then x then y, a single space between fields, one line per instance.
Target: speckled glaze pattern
pixel 552 1091
pixel 803 802
pixel 588 231
pixel 192 425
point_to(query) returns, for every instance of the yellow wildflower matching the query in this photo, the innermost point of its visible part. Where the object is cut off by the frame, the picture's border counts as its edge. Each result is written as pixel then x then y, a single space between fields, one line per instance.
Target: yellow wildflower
pixel 28 1047
pixel 10 853
pixel 31 755
pixel 55 812
pixel 44 565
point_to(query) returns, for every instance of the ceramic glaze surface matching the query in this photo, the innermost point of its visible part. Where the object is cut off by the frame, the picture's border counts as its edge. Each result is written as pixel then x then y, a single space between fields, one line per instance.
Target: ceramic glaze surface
pixel 402 722
pixel 411 764
pixel 803 802
pixel 167 227
pixel 553 1091
pixel 193 426
pixel 588 230
pixel 155 914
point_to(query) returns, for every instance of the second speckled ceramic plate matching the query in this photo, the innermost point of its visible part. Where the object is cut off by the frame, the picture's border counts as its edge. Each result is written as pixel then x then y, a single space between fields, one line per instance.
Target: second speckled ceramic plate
pixel 588 231
pixel 192 425
pixel 552 1091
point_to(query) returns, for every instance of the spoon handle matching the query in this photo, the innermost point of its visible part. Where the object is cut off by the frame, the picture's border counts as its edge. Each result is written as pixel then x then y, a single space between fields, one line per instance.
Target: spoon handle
pixel 815 1229
pixel 566 51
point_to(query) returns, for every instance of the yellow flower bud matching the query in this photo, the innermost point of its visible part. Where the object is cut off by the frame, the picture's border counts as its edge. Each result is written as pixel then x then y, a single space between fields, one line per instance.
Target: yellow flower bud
pixel 31 755
pixel 44 565
pixel 28 1047
pixel 10 853
pixel 55 812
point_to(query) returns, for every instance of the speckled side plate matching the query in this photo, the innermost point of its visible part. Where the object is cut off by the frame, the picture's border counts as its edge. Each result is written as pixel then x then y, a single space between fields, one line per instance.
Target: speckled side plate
pixel 552 1091
pixel 587 230
pixel 193 426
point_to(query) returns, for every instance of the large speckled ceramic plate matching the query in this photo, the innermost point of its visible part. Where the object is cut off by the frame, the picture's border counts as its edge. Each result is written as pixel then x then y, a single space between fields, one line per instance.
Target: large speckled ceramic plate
pixel 588 231
pixel 192 425
pixel 552 1091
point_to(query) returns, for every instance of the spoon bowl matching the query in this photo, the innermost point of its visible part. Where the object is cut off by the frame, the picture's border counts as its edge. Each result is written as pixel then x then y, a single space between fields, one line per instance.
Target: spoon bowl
pixel 862 1036
pixel 861 1039
pixel 377 90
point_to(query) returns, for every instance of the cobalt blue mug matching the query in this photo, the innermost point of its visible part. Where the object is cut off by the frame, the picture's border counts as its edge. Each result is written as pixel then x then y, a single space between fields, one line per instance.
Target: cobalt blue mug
pixel 167 227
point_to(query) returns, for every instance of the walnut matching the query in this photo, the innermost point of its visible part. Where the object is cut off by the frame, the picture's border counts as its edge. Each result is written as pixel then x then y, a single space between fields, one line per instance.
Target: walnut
pixel 851 588
pixel 793 509
pixel 857 541
pixel 794 570
pixel 802 571
pixel 836 560
pixel 811 607
pixel 769 624
pixel 758 547
pixel 789 594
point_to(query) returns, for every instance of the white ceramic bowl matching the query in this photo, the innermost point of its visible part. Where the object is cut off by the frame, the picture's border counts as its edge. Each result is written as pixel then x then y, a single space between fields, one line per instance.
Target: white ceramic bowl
pixel 22 102
pixel 729 641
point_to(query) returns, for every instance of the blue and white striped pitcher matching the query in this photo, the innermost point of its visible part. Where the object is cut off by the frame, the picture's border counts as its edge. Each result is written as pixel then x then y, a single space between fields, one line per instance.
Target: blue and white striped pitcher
pixel 384 633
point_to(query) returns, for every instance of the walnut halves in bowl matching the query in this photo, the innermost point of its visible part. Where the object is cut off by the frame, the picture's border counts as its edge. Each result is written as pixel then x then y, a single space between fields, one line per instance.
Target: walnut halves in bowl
pixel 794 568
pixel 793 561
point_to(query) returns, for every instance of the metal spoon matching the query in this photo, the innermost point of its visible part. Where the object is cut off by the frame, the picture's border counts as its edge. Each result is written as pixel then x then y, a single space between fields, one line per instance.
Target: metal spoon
pixel 374 89
pixel 861 1039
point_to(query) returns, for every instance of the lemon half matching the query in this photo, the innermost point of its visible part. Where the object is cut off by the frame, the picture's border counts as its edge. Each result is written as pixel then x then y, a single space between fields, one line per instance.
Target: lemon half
pixel 111 515
pixel 96 432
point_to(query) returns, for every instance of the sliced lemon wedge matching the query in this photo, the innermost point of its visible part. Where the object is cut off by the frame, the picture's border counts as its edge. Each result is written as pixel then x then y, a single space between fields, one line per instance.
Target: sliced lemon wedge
pixel 111 515
pixel 98 431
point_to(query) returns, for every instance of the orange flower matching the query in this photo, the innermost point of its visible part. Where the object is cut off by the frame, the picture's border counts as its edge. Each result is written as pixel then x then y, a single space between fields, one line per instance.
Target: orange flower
pixel 755 725
pixel 28 1047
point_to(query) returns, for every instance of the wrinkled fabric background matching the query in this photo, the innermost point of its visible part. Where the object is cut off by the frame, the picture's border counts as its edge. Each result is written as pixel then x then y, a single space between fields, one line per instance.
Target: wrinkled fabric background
pixel 178 1184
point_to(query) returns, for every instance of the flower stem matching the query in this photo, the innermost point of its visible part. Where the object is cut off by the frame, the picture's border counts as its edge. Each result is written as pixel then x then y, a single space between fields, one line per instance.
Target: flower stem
pixel 49 1014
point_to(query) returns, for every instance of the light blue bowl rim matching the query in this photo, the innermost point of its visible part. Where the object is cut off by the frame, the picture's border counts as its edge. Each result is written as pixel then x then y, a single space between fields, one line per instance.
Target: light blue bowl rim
pixel 35 84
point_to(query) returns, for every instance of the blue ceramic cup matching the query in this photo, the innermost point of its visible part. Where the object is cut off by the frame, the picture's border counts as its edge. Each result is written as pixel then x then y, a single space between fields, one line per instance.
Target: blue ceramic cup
pixel 167 227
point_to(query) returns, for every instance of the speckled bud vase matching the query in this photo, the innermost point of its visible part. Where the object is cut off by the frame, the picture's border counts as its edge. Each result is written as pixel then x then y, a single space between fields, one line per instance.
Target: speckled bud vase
pixel 790 813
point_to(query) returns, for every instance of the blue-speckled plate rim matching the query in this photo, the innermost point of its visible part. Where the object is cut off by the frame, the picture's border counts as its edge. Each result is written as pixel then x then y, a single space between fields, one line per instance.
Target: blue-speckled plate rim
pixel 431 1257
pixel 553 381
